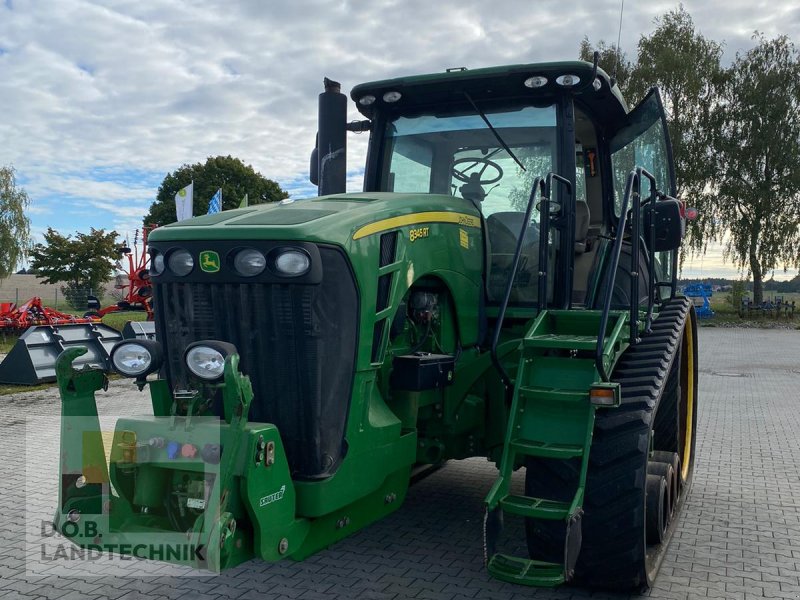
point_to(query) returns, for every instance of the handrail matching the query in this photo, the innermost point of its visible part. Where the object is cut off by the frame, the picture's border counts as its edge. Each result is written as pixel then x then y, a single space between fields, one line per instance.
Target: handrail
pixel 538 184
pixel 632 190
pixel 651 210
pixel 636 227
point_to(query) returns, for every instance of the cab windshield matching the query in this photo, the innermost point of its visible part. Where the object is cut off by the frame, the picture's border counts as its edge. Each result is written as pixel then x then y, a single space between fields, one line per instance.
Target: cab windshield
pixel 458 154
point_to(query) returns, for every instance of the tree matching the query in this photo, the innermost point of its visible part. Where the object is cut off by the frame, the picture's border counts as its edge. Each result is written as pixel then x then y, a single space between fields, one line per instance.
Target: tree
pixel 83 263
pixel 757 193
pixel 686 68
pixel 234 177
pixel 14 224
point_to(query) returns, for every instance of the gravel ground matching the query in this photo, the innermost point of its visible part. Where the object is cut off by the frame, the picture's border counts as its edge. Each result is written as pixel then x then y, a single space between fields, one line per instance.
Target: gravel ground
pixel 739 536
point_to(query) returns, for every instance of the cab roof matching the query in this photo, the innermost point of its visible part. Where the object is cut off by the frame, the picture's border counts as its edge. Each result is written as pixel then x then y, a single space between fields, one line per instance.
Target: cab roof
pixel 497 83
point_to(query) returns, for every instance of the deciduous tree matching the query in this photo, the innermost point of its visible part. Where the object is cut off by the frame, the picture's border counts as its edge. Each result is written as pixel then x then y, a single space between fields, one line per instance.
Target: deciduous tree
pixel 82 263
pixel 757 192
pixel 14 224
pixel 686 68
pixel 234 177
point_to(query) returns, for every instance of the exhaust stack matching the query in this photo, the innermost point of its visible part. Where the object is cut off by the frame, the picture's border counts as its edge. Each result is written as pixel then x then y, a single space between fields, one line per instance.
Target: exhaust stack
pixel 330 155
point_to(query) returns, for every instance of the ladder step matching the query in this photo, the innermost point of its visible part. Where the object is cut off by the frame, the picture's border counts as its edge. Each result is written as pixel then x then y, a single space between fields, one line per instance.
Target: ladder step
pixel 545 449
pixel 535 508
pixel 553 394
pixel 525 571
pixel 567 342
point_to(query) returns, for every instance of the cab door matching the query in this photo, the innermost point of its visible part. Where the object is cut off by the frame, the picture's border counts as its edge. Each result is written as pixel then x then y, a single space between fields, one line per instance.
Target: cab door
pixel 642 140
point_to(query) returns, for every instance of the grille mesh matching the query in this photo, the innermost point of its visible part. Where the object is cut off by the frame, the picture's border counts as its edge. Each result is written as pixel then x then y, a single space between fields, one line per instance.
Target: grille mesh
pixel 296 342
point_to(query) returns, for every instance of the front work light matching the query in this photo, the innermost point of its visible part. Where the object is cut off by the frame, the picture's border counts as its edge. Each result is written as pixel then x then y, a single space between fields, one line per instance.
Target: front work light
pixel 392 96
pixel 206 359
pixel 137 358
pixel 292 263
pixel 180 262
pixel 568 80
pixel 249 262
pixel 536 81
pixel 157 264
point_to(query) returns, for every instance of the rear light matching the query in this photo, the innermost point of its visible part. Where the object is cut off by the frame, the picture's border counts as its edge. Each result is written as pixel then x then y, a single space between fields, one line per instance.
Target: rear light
pixel 691 213
pixel 605 394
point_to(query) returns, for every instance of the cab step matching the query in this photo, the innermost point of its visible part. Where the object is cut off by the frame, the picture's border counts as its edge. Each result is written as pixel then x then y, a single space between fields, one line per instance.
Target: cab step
pixel 525 571
pixel 546 449
pixel 536 508
pixel 564 342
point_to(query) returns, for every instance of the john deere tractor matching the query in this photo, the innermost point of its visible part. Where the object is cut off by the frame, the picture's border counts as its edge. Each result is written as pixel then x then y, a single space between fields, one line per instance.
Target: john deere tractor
pixel 503 287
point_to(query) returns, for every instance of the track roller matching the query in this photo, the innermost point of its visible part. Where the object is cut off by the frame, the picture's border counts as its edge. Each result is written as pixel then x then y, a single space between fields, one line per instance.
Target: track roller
pixel 674 459
pixel 666 471
pixel 657 509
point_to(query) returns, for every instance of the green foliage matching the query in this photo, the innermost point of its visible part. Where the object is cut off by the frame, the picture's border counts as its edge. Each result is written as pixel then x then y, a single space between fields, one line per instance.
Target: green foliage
pixel 757 199
pixel 234 177
pixel 14 224
pixel 735 135
pixel 82 263
pixel 686 68
pixel 738 291
pixel 117 320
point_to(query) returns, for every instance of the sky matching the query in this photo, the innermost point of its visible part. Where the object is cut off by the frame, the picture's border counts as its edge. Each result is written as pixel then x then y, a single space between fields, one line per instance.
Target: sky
pixel 100 100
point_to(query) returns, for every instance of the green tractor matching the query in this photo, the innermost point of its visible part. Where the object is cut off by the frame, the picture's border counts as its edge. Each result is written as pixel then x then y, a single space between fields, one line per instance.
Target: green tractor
pixel 503 287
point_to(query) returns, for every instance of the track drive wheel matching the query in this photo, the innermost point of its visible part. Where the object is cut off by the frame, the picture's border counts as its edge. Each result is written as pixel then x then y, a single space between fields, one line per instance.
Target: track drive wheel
pixel 658 413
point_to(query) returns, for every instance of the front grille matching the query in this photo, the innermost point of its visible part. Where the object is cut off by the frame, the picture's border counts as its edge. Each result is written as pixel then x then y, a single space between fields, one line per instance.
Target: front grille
pixel 297 343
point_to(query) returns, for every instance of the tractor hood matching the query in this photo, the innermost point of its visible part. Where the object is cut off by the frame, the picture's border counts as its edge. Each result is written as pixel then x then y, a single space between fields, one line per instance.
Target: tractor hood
pixel 337 219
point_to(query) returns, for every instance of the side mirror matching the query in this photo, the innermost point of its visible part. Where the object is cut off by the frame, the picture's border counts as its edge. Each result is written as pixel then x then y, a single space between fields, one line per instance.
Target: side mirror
pixel 669 226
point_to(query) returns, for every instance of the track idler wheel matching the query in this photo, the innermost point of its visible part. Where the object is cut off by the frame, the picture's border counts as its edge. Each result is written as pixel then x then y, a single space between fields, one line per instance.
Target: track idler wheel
pixel 657 509
pixel 666 471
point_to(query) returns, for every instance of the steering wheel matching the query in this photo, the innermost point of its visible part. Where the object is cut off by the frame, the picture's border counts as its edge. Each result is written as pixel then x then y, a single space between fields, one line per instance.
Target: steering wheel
pixel 471 162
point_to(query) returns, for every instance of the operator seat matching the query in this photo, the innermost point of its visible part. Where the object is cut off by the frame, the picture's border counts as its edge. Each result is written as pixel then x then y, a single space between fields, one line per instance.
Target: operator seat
pixel 584 258
pixel 503 228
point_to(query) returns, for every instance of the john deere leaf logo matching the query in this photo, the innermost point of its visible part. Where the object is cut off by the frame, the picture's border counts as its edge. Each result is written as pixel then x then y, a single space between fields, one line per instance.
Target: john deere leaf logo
pixel 182 193
pixel 209 261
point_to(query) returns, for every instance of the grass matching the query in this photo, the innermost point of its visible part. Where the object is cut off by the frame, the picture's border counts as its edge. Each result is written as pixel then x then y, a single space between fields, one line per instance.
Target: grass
pixel 116 320
pixel 725 314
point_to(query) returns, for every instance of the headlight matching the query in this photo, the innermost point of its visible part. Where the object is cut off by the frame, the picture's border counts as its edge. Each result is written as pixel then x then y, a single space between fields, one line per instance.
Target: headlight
pixel 249 262
pixel 157 264
pixel 136 358
pixel 206 359
pixel 180 262
pixel 292 263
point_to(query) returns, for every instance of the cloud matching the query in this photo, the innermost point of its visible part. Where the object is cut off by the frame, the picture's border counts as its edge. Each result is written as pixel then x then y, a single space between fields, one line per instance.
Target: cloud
pixel 91 92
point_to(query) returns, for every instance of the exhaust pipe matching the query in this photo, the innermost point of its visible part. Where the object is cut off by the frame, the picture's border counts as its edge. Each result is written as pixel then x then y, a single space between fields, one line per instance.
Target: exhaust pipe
pixel 330 155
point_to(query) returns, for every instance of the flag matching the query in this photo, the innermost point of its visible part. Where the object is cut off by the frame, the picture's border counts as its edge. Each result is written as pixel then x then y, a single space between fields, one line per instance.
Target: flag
pixel 215 205
pixel 183 202
pixel 243 203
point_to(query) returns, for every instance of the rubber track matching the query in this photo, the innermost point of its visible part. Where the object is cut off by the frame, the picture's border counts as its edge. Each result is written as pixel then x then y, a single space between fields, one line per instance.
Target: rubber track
pixel 613 550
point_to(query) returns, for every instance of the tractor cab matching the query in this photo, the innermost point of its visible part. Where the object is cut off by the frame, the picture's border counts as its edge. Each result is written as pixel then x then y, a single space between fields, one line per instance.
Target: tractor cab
pixel 486 135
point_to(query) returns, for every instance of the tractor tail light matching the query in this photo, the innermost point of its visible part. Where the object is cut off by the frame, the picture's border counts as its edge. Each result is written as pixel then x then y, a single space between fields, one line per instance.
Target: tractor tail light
pixel 607 394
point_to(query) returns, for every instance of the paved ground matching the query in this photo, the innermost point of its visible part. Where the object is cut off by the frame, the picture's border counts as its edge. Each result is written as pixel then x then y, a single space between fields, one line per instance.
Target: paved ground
pixel 739 536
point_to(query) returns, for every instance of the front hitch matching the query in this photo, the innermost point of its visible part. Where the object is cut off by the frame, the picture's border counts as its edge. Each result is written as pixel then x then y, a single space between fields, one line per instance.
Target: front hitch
pixel 193 490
